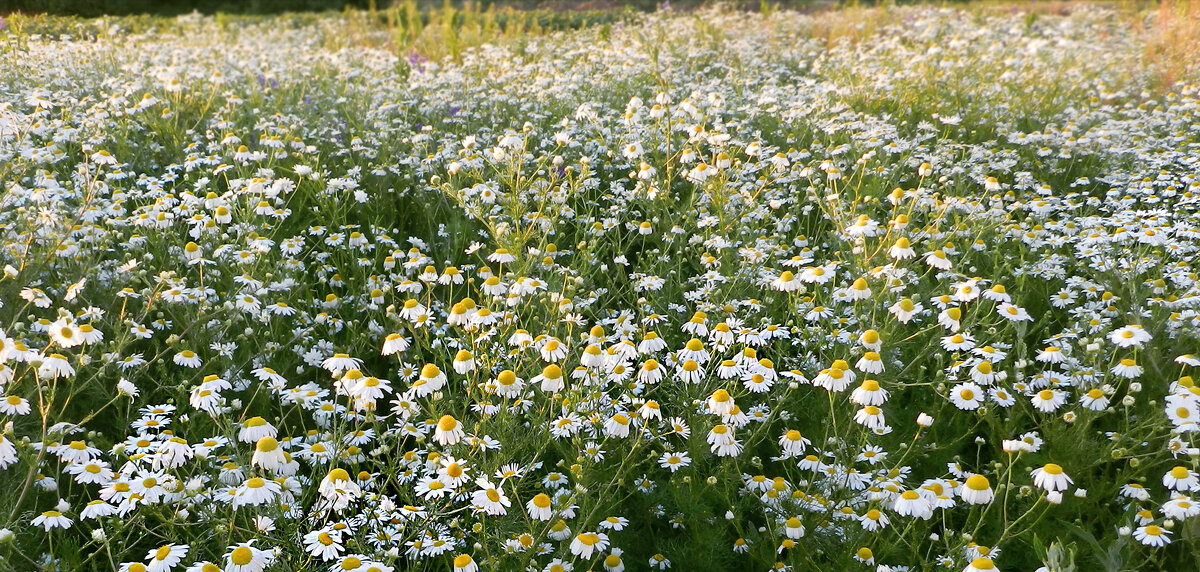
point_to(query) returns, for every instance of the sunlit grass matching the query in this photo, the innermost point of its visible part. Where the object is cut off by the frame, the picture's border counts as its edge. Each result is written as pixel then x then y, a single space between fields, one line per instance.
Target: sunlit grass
pixel 467 289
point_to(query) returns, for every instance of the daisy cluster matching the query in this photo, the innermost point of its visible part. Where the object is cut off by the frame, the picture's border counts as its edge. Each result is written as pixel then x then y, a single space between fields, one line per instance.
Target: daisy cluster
pixel 655 295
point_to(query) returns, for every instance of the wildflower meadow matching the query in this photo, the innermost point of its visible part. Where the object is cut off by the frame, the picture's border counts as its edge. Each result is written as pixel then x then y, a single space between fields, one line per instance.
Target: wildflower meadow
pixel 879 289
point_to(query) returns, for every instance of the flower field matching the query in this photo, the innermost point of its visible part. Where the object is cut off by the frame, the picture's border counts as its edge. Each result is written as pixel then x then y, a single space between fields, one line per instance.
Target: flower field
pixel 888 289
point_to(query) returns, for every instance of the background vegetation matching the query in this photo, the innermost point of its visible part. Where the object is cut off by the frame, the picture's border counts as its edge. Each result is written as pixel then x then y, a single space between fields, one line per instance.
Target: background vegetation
pixel 94 8
pixel 389 98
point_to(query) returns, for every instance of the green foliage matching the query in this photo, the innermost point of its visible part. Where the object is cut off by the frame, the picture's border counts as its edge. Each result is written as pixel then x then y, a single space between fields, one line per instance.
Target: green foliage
pixel 719 196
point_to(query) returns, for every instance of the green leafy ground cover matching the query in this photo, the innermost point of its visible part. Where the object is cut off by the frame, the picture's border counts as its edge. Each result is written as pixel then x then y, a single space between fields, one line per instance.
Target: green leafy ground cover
pixel 906 288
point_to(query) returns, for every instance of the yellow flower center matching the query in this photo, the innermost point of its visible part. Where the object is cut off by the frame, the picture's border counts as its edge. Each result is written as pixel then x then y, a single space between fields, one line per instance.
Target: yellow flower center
pixel 978 483
pixel 241 556
pixel 983 564
pixel 338 475
pixel 506 377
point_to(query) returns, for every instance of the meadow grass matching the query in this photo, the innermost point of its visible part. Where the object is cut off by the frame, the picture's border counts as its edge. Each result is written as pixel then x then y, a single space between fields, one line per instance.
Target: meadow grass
pixel 895 288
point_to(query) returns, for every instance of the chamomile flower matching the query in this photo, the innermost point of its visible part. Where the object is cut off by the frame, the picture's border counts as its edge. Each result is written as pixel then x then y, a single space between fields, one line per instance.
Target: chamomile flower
pixel 585 544
pixel 1135 491
pixel 981 564
pixel 165 557
pixel 539 507
pixel 901 249
pixel 938 259
pixel 51 519
pixel 1181 479
pixel 97 509
pixel 967 396
pixel 1048 400
pixel 268 455
pixel 325 544
pixel 55 366
pixel 507 384
pixel 958 342
pixel 448 431
pixel 870 363
pixel 246 558
pixel 489 498
pixel 14 405
pixel 950 318
pixel 187 358
pixel 912 503
pixel 1127 368
pixel 1013 313
pixel 550 380
pixel 256 428
pixel 464 563
pixel 1051 478
pixel 255 491
pixel 673 461
pixel 1129 336
pixel 1052 354
pixel 430 380
pixel 787 282
pixel 722 442
pixel 1152 535
pixel 394 343
pixel 1095 399
pixel 873 520
pixel 905 310
pixel 871 417
pixel 618 425
pixel 793 444
pixel 976 489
